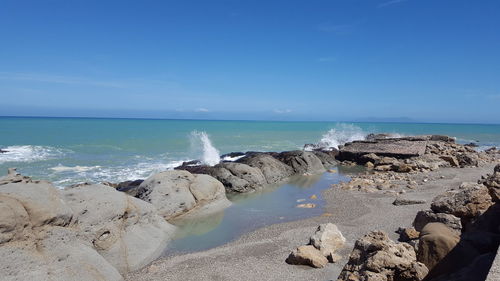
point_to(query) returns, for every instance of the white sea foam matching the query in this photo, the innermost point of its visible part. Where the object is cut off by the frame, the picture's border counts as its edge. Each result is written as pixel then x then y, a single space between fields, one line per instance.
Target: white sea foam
pixel 61 168
pixel 203 148
pixel 97 174
pixel 29 153
pixel 341 134
pixel 232 159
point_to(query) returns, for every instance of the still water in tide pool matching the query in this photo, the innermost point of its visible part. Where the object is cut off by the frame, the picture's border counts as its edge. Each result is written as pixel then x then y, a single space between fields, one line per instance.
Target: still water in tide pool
pixel 251 211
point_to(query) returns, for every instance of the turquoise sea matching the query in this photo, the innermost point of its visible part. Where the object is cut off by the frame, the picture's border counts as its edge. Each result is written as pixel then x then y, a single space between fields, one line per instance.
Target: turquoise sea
pixel 72 150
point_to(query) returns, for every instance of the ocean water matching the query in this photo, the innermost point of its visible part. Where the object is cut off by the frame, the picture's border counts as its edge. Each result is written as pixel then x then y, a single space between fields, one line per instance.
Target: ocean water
pixel 74 150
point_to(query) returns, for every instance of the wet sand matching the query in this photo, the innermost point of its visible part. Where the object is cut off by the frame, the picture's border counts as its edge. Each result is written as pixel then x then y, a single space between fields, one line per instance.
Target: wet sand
pixel 261 254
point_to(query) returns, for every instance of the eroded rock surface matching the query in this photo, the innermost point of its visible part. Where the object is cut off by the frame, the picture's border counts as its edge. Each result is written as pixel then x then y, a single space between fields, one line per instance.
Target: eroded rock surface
pixel 177 192
pixel 124 230
pixel 376 257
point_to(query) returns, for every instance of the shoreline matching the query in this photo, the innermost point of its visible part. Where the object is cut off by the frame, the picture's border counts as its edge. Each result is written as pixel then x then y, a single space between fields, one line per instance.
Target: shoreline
pixel 261 254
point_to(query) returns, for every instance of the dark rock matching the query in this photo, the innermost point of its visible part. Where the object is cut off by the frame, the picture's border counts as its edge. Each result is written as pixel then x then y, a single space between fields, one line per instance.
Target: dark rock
pixel 238 177
pixel 398 148
pixel 436 241
pixel 302 162
pixel 403 201
pixel 3 151
pixel 472 144
pixel 467 160
pixel 326 157
pixel 129 187
pixel 408 234
pixel 273 170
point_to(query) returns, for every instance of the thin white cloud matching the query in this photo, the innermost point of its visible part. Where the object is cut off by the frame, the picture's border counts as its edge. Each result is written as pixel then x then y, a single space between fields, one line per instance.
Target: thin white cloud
pixel 392 2
pixel 327 59
pixel 282 111
pixel 201 109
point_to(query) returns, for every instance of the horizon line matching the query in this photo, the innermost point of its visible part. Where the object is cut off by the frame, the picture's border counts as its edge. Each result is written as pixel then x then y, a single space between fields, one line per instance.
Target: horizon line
pixel 242 120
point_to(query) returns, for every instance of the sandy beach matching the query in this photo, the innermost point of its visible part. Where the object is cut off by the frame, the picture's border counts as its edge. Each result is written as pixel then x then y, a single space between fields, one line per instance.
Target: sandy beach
pixel 260 255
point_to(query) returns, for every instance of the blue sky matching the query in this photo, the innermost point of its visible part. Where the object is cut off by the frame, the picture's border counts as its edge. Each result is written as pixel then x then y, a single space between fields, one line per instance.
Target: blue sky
pixel 427 60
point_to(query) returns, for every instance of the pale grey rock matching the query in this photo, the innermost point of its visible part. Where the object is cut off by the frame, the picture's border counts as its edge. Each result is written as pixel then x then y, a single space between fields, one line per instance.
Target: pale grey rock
pixel 328 239
pixel 126 231
pixel 177 192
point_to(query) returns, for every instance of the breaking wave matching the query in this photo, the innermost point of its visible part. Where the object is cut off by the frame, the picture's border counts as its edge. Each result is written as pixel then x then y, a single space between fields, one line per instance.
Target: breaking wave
pixel 341 134
pixel 203 148
pixel 29 153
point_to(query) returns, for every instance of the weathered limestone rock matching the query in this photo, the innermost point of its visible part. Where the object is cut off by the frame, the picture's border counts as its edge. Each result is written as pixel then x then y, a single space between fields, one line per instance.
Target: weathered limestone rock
pixel 436 241
pixel 469 201
pixel 328 239
pixel 38 240
pixel 376 257
pixel 408 234
pixel 307 255
pixel 451 160
pixel 126 231
pixel 273 170
pixel 55 254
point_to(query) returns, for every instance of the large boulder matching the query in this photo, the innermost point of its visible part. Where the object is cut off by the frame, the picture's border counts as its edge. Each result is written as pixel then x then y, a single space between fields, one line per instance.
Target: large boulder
pixel 307 255
pixel 126 231
pixel 376 257
pixel 177 192
pixel 436 241
pixel 273 170
pixel 328 239
pixel 40 199
pixel 302 162
pixel 38 240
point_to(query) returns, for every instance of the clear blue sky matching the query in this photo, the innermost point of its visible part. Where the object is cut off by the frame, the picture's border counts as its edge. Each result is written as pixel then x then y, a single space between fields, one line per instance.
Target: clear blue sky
pixel 428 60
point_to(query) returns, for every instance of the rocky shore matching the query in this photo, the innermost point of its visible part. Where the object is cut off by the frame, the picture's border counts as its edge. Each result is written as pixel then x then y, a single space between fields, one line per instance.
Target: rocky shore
pixel 107 231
